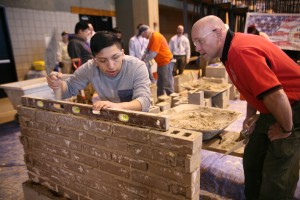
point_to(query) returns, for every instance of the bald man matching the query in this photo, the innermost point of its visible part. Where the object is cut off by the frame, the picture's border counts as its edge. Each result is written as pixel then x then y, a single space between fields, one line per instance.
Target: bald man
pixel 180 47
pixel 269 80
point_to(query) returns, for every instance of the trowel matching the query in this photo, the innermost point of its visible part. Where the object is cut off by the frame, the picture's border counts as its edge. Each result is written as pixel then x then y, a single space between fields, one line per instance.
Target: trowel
pixel 50 60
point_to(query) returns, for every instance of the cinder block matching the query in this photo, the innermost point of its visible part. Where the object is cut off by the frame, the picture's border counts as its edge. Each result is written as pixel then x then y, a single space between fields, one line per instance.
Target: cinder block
pixel 196 97
pixel 165 98
pixel 221 100
pixel 233 93
pixel 154 109
pixel 207 102
pixel 153 89
pixel 216 70
pixel 181 79
pixel 164 106
pixel 215 80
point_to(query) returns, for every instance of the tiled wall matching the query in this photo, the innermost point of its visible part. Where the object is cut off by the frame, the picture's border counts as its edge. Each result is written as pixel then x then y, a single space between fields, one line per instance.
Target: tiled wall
pixel 28 29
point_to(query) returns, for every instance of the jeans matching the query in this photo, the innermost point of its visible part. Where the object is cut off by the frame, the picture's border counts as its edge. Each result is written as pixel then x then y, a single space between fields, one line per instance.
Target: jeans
pixel 272 168
pixel 165 82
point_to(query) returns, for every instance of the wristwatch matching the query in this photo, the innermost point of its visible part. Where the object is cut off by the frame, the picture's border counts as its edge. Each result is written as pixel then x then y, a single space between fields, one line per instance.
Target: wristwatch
pixel 284 131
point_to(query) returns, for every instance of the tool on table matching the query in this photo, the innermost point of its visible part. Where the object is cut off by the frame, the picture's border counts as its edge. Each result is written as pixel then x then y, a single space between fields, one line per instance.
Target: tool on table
pixel 50 60
pixel 243 138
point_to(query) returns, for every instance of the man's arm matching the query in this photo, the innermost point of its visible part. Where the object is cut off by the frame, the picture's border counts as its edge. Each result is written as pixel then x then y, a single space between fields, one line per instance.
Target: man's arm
pixel 131 48
pixel 149 55
pixel 279 106
pixel 132 105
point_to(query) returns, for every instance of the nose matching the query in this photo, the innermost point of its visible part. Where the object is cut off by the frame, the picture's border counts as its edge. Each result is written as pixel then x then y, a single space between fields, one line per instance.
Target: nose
pixel 198 48
pixel 110 63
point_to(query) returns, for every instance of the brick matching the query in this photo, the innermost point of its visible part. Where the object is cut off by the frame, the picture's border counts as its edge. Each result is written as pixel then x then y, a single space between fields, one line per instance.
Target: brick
pixel 115 169
pixel 154 109
pixel 96 152
pixel 93 174
pixel 218 71
pixel 130 161
pixel 80 135
pixel 112 143
pixel 166 157
pixel 79 168
pixel 131 133
pixel 140 150
pixel 207 102
pixel 33 133
pixel 162 196
pixel 71 121
pixel 170 173
pixel 163 106
pixel 46 156
pixel 97 195
pixel 150 180
pixel 130 188
pixel 185 141
pixel 221 100
pixel 71 144
pixel 100 127
pixel 192 162
pixel 46 116
pixel 196 97
pixel 78 157
pixel 26 111
pixel 37 125
pixel 165 98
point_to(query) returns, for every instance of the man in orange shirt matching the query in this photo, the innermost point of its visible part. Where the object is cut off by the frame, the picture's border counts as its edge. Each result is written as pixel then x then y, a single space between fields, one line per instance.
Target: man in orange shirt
pixel 158 49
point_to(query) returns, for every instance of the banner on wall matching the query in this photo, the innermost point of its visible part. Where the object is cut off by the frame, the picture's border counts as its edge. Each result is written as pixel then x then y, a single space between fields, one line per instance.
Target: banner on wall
pixel 282 28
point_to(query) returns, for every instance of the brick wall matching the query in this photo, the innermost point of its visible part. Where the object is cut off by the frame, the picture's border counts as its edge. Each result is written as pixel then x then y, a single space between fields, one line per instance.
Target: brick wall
pixel 83 156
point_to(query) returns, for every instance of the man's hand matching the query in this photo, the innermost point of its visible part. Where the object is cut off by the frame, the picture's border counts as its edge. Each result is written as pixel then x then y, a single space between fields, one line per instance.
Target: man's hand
pixel 275 132
pixel 249 123
pixel 98 105
pixel 54 80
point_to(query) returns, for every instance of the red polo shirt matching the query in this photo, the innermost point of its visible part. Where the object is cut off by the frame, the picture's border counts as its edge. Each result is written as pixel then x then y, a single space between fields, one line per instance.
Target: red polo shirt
pixel 257 67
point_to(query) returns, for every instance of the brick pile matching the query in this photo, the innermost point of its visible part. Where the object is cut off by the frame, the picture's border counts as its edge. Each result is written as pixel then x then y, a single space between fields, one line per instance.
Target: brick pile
pixel 79 155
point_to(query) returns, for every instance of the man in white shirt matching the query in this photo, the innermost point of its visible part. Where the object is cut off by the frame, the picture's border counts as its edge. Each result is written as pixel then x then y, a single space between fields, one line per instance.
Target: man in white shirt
pixel 180 47
pixel 137 45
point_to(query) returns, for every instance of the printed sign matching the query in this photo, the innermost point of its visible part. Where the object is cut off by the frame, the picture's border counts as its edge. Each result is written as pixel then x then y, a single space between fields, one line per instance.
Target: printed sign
pixel 283 29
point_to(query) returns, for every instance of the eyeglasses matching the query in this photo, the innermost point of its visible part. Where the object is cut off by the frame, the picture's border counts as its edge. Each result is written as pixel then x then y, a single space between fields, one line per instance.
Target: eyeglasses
pixel 114 58
pixel 201 40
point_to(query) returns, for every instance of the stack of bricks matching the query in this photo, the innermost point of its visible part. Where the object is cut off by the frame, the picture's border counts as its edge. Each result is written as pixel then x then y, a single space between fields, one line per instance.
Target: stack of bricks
pixel 218 70
pixel 182 79
pixel 80 155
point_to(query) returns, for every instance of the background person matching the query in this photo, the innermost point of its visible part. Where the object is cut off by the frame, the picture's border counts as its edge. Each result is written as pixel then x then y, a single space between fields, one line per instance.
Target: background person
pixel 269 81
pixel 120 81
pixel 180 48
pixel 78 48
pixel 63 57
pixel 138 45
pixel 253 30
pixel 159 50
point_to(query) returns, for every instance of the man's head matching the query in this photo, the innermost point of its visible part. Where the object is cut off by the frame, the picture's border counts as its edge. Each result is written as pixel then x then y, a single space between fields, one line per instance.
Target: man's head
pixel 65 36
pixel 252 29
pixel 180 30
pixel 82 30
pixel 144 31
pixel 108 53
pixel 208 36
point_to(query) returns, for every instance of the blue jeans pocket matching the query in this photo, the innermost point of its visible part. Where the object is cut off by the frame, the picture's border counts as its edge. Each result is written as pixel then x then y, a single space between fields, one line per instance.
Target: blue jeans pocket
pixel 125 95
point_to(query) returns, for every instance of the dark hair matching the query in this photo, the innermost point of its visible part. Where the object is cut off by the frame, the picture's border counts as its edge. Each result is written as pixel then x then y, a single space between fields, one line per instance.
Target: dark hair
pixel 64 33
pixel 103 39
pixel 81 26
pixel 116 30
pixel 252 29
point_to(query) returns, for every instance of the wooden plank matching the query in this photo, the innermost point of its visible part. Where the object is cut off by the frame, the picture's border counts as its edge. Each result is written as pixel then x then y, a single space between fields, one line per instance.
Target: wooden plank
pixel 92 11
pixel 135 118
pixel 223 142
